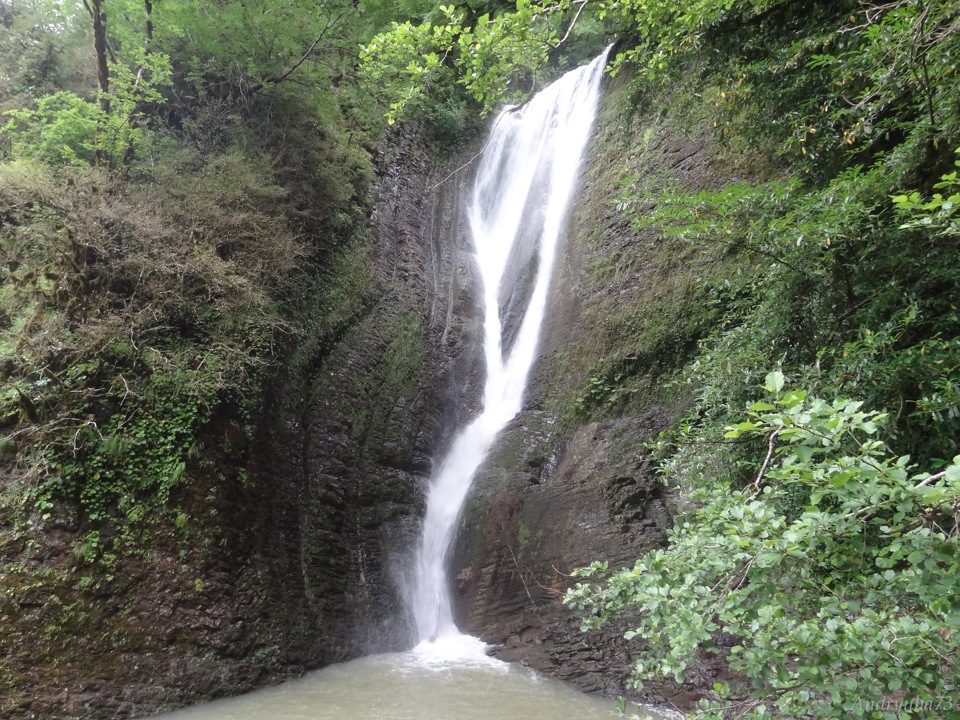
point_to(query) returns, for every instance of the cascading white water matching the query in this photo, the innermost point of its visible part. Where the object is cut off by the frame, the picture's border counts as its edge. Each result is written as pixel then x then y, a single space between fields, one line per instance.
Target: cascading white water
pixel 523 188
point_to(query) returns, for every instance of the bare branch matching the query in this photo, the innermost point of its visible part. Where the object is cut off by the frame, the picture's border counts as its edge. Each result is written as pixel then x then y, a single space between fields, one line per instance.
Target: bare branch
pixel 766 463
pixel 331 22
pixel 471 160
pixel 583 4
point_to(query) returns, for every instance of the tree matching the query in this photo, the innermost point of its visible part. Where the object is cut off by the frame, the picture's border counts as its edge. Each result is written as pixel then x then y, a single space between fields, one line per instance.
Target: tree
pixel 40 46
pixel 495 56
pixel 244 48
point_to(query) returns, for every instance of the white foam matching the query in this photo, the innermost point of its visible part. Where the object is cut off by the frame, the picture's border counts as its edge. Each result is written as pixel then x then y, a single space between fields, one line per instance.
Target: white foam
pixel 455 650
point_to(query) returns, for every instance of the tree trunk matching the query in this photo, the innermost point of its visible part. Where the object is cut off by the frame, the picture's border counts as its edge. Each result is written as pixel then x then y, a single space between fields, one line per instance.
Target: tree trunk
pixel 148 11
pixel 99 18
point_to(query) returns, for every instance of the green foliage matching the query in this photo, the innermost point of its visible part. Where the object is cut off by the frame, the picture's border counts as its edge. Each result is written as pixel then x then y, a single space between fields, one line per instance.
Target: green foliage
pixel 150 305
pixel 825 275
pixel 64 129
pixel 135 85
pixel 103 406
pixel 380 15
pixel 833 612
pixel 132 462
pixel 603 392
pixel 487 58
pixel 815 538
pixel 649 297
pixel 901 55
pixel 492 54
pixel 819 550
pixel 523 532
pixel 845 77
pixel 899 359
pixel 938 213
pixel 61 130
pixel 403 52
pixel 138 307
pixel 158 77
pixel 662 32
pixel 244 48
pixel 43 48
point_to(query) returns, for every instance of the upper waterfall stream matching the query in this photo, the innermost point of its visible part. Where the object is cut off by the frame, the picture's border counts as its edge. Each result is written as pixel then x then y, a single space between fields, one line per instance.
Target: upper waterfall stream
pixel 521 196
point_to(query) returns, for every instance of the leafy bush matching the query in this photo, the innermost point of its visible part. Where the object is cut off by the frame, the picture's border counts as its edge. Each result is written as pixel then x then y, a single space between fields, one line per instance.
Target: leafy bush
pixel 938 213
pixel 61 130
pixel 818 559
pixel 65 129
pixel 833 612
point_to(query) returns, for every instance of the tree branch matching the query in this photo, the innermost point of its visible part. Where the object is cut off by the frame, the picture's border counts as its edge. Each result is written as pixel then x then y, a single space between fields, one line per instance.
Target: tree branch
pixel 471 160
pixel 583 4
pixel 766 463
pixel 303 58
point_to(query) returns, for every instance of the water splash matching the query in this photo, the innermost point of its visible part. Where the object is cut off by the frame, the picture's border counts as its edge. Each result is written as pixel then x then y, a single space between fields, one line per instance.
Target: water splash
pixel 521 194
pixel 454 650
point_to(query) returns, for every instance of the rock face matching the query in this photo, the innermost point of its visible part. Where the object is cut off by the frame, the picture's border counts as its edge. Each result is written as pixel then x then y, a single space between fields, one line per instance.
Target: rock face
pixel 559 492
pixel 294 552
pixel 542 505
pixel 555 493
pixel 381 404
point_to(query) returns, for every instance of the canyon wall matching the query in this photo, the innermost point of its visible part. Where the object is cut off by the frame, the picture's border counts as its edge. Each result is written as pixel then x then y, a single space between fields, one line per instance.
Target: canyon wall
pixel 296 554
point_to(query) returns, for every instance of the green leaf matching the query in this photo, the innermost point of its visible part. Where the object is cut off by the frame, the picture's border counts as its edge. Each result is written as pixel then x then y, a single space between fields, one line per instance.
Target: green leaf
pixel 774 381
pixel 804 452
pixel 838 480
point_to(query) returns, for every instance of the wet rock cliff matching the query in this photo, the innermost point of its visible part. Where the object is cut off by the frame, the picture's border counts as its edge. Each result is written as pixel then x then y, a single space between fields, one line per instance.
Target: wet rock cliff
pixel 383 402
pixel 305 531
pixel 572 480
pixel 293 542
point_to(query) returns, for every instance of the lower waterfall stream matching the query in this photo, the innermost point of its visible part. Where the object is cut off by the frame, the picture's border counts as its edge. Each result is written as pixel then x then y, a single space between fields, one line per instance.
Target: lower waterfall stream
pixel 521 194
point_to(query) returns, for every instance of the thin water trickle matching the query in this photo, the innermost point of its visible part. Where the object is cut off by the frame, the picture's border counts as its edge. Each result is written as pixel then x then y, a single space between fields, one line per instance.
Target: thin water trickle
pixel 521 194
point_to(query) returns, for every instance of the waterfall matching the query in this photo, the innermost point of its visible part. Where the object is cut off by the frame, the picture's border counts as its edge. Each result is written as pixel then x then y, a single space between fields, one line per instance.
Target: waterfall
pixel 521 194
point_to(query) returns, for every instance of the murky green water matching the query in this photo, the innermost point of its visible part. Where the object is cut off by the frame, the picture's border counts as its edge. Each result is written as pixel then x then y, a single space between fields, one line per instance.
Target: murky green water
pixel 419 685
